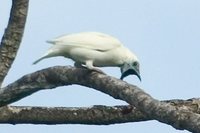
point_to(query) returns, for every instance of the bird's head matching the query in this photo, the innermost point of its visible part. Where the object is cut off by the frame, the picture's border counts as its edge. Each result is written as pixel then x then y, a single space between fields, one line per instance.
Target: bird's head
pixel 130 67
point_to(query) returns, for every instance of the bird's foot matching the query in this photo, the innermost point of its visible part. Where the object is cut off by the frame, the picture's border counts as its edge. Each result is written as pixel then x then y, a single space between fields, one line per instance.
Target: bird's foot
pixel 89 65
pixel 92 69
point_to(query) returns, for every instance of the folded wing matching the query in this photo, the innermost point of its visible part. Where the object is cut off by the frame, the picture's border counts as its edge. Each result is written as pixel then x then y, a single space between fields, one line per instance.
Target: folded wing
pixel 89 40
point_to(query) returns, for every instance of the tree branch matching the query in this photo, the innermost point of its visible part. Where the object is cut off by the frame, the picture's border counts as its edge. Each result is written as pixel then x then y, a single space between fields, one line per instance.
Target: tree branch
pixel 96 115
pixel 12 36
pixel 179 118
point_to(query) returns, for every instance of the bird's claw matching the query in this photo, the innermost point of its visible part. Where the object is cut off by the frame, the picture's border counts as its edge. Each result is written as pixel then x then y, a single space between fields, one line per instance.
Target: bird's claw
pixel 93 69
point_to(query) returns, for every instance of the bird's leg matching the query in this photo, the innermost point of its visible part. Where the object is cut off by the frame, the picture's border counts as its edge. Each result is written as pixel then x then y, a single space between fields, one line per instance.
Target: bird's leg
pixel 78 65
pixel 89 65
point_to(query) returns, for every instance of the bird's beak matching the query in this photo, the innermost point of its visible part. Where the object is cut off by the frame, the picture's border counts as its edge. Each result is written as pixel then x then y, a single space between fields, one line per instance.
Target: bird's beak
pixel 130 71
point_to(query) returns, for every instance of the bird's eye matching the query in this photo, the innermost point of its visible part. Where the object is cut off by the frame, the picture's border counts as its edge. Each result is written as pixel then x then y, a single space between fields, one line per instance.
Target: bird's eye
pixel 135 63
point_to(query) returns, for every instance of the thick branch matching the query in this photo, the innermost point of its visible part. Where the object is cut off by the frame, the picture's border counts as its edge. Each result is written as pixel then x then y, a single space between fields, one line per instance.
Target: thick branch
pixel 96 115
pixel 12 36
pixel 179 118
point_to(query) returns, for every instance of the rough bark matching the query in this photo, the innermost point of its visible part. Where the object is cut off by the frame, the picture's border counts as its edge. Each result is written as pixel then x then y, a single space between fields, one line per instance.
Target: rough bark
pixel 12 36
pixel 96 115
pixel 179 118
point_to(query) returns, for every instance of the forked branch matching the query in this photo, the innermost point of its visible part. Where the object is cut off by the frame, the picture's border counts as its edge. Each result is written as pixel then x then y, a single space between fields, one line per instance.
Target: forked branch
pixel 179 118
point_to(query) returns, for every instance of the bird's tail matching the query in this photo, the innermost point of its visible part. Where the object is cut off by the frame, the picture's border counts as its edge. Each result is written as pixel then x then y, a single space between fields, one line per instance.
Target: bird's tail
pixel 41 58
pixel 52 52
pixel 48 54
pixel 38 60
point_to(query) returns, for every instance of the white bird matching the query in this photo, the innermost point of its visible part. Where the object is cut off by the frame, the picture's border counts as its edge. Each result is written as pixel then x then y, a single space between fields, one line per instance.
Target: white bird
pixel 94 49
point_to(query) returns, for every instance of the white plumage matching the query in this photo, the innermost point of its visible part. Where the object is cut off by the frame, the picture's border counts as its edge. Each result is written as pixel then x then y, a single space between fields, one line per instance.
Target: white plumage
pixel 94 49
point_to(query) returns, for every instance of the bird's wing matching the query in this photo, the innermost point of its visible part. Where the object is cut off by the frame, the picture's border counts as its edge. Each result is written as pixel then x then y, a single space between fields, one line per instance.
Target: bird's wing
pixel 90 40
